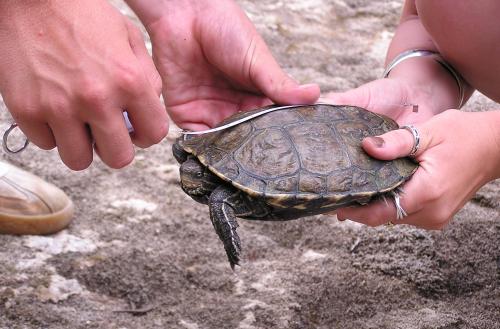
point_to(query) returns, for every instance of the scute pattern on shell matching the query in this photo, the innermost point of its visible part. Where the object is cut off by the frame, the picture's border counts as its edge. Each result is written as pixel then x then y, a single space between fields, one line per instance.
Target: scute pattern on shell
pixel 302 157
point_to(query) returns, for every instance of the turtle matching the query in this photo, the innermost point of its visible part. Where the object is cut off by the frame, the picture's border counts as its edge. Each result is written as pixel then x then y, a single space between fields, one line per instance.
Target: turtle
pixel 283 163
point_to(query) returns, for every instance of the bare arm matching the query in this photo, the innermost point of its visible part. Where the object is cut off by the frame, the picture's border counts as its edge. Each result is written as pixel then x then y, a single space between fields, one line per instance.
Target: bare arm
pixel 459 151
pixel 150 11
pixel 441 87
pixel 432 79
pixel 213 62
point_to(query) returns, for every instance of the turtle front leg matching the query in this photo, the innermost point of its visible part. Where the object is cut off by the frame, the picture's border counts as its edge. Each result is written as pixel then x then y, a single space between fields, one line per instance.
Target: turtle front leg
pixel 224 221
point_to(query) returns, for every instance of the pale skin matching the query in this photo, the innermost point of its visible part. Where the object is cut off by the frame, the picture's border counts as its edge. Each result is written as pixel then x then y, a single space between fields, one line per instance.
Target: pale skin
pixel 70 68
pixel 459 151
pixel 213 62
pixel 67 71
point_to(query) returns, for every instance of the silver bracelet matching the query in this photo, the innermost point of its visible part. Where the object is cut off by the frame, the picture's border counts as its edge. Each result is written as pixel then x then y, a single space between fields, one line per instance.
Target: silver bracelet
pixel 437 57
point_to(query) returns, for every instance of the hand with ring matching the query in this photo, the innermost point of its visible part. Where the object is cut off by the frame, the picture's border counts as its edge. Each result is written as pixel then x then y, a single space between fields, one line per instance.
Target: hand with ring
pixel 457 154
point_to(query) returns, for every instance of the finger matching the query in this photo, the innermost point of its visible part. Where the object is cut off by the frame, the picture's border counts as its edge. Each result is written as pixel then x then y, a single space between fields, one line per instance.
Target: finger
pixel 148 118
pixel 136 42
pixel 206 114
pixel 31 122
pixel 268 77
pixel 383 210
pixel 356 97
pixel 383 96
pixel 145 110
pixel 374 214
pixel 112 140
pixel 398 143
pixel 37 133
pixel 74 143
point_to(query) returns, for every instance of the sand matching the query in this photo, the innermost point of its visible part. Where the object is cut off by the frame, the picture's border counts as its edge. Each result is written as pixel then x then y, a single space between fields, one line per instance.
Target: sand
pixel 142 254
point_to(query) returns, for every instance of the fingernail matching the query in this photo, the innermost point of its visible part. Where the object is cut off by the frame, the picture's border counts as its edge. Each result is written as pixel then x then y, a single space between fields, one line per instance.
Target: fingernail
pixel 377 141
pixel 307 86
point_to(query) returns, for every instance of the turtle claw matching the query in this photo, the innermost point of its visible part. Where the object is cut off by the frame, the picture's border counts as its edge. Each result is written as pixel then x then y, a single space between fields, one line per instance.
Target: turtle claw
pixel 232 245
pixel 233 253
pixel 226 231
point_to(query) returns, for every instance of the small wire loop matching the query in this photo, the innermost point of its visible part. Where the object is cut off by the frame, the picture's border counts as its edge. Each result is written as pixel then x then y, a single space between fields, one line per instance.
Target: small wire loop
pixel 5 143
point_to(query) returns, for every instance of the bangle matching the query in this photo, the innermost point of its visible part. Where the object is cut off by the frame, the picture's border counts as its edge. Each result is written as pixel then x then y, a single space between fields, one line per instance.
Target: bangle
pixel 437 57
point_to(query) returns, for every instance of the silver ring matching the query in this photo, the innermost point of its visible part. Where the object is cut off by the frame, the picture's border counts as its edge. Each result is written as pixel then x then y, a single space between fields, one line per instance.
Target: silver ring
pixel 6 137
pixel 400 212
pixel 416 138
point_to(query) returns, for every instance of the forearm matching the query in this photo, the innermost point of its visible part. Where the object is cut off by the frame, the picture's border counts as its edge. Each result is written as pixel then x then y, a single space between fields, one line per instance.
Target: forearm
pixel 152 11
pixel 427 79
pixel 479 138
pixel 494 119
pixel 148 11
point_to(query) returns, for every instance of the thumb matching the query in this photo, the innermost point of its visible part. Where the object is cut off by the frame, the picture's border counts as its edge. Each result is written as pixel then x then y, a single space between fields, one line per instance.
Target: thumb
pixel 272 81
pixel 357 97
pixel 398 143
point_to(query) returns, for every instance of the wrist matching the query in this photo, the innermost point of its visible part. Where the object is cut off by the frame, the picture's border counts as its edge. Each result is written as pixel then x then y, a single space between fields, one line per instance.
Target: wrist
pixel 152 12
pixel 427 82
pixel 148 11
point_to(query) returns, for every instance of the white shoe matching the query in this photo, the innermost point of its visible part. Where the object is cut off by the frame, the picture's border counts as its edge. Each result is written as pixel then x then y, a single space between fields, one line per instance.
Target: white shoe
pixel 30 205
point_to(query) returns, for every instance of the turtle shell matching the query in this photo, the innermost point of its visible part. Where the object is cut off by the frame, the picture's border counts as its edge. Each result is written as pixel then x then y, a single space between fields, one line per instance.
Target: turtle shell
pixel 302 157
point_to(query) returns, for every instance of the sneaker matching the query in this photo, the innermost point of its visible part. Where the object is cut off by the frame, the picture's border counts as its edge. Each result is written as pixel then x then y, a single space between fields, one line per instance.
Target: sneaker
pixel 30 205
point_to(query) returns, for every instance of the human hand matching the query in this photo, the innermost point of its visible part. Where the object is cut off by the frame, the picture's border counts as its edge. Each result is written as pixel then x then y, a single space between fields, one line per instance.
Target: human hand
pixel 213 63
pixel 393 98
pixel 67 72
pixel 459 152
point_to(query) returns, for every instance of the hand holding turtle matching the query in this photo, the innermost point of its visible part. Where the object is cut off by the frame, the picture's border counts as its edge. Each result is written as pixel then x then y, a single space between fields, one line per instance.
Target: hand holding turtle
pixel 394 98
pixel 459 152
pixel 213 62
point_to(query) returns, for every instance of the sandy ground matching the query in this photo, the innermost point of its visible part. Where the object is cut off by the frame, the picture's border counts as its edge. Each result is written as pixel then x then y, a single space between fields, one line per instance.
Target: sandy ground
pixel 138 243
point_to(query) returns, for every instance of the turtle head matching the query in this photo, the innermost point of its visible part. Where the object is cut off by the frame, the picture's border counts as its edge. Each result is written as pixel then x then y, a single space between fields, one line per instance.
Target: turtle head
pixel 197 180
